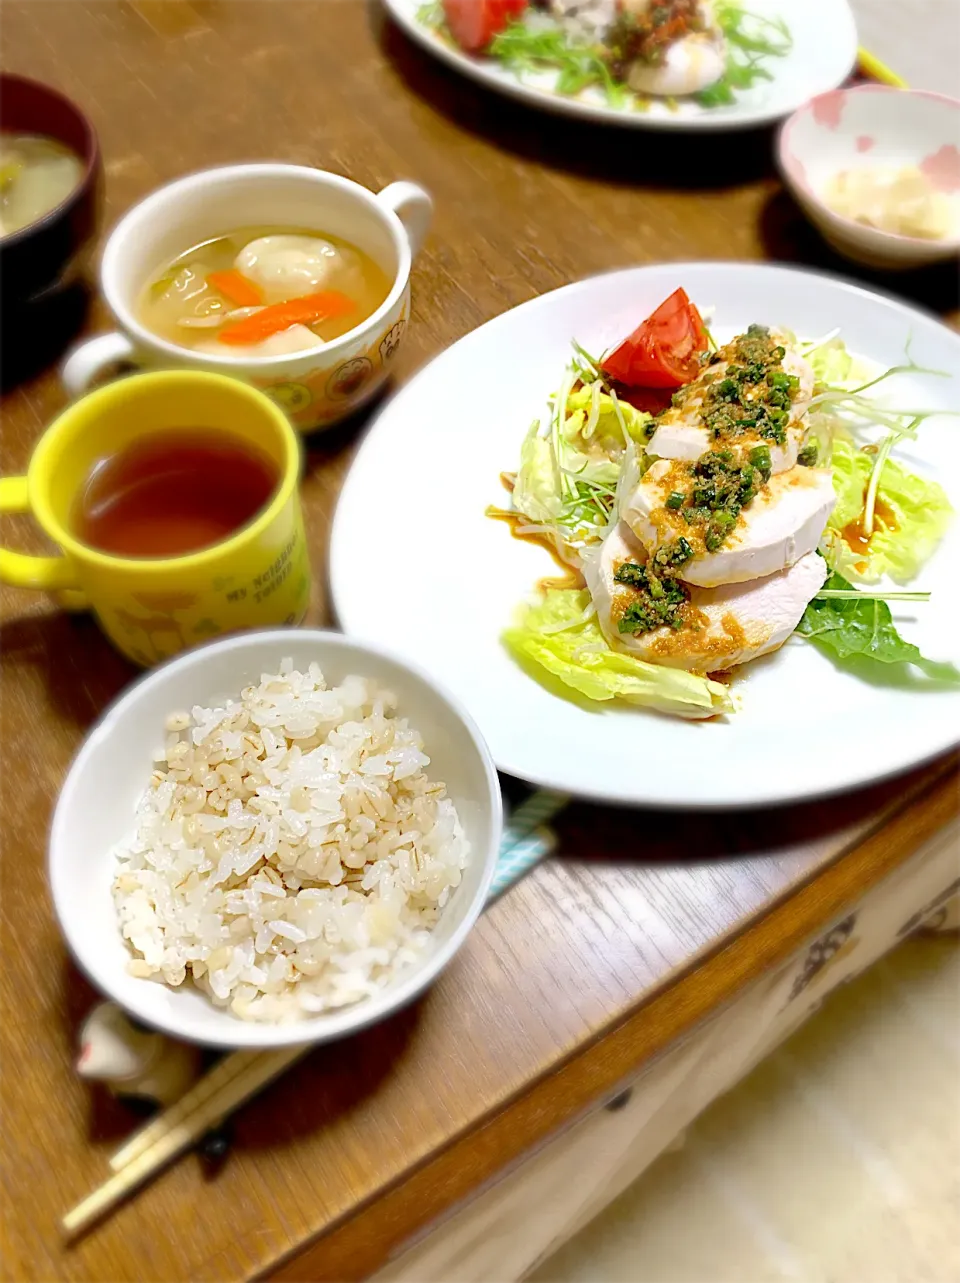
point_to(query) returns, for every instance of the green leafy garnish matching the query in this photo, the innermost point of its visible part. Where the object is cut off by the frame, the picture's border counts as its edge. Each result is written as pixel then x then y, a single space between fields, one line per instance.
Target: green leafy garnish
pixel 832 364
pixel 862 628
pixel 527 48
pixel 750 40
pixel 866 594
pixel 557 637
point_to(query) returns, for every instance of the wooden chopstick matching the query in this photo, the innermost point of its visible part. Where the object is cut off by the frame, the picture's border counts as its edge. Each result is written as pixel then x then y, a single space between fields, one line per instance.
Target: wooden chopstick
pixel 198 1095
pixel 258 1070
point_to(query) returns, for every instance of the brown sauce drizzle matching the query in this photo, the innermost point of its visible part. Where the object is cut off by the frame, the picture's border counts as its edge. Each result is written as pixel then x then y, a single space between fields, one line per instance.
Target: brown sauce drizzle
pixel 854 535
pixel 725 676
pixel 571 578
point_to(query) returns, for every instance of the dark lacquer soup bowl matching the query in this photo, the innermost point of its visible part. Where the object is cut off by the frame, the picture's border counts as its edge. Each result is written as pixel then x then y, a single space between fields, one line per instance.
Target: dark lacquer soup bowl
pixel 42 257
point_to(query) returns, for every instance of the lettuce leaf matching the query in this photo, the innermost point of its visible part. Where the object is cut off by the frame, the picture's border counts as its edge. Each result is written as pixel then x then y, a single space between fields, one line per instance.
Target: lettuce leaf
pixel 831 363
pixel 580 404
pixel 834 366
pixel 580 658
pixel 863 630
pixel 569 471
pixel 535 491
pixel 920 508
pixel 851 471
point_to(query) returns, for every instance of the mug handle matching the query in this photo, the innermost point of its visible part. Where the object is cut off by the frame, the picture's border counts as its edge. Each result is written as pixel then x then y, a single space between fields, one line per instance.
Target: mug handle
pixel 92 358
pixel 413 206
pixel 51 574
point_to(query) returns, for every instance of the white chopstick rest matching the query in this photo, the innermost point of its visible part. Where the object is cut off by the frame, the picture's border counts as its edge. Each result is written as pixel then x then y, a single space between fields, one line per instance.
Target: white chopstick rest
pixel 178 1136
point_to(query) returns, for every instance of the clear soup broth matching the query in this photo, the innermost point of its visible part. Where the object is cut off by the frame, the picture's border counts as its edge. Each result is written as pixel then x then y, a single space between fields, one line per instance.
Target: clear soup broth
pixel 262 291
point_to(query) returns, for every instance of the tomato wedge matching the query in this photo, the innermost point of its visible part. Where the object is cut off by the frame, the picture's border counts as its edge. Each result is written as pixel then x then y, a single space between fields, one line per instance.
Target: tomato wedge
pixel 474 23
pixel 664 352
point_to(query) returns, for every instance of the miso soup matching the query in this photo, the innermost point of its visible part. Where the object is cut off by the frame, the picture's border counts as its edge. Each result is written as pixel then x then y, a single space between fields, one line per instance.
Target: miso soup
pixel 262 291
pixel 36 175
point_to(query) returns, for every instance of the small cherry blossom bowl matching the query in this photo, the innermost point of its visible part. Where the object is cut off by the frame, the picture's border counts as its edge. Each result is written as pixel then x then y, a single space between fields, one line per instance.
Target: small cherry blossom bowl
pixel 873 125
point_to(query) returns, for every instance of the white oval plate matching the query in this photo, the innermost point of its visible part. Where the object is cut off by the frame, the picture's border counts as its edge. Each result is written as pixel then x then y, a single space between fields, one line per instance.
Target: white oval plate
pixel 824 53
pixel 416 564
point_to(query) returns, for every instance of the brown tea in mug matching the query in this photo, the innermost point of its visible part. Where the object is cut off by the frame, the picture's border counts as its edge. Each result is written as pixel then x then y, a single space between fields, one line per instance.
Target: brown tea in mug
pixel 173 492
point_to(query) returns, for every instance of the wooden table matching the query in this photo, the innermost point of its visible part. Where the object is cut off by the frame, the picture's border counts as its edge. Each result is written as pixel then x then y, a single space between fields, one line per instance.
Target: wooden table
pixel 642 925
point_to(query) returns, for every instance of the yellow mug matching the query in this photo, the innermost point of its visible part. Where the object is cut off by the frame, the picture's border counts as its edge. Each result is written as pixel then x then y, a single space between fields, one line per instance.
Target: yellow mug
pixel 151 608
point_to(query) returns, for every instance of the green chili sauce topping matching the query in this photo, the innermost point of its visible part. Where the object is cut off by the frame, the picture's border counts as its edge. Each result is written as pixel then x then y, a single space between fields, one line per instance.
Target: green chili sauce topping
pixel 656 600
pixel 748 401
pixel 752 396
pixel 746 407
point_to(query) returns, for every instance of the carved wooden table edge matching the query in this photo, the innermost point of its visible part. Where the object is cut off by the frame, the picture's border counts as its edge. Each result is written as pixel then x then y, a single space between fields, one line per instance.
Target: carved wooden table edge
pixel 403 1211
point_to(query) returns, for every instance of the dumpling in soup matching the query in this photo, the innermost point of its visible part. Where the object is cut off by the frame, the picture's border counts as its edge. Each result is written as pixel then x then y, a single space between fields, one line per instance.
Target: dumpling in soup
pixel 262 292
pixel 287 267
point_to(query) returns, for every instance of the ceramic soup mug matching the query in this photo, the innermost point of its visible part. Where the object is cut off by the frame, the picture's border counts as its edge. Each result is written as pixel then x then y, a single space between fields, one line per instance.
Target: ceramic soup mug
pixel 152 607
pixel 316 387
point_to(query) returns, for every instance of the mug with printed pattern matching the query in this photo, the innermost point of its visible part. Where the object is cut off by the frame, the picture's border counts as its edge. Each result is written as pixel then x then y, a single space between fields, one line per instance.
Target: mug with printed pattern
pixel 153 607
pixel 316 387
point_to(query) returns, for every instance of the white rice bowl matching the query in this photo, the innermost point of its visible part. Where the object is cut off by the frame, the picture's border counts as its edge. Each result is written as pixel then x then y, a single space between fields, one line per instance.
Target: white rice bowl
pixel 291 854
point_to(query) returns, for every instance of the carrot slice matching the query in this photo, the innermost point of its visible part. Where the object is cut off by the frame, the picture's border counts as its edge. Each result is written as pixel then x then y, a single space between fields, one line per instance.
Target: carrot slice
pixel 280 316
pixel 236 287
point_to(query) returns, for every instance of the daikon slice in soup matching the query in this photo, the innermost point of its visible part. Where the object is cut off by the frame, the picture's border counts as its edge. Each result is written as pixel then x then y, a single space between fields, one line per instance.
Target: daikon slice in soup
pixel 36 175
pixel 262 291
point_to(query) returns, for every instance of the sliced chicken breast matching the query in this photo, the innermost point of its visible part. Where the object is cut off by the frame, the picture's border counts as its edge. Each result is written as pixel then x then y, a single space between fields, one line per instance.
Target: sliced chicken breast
pixel 681 434
pixel 782 524
pixel 725 626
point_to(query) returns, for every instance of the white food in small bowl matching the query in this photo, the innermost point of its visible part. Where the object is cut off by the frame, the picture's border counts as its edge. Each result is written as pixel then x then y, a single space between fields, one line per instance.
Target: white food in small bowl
pixel 312 844
pixel 877 170
pixel 902 201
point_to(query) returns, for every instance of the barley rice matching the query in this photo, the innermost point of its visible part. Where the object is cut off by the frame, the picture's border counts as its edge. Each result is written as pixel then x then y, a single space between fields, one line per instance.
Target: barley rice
pixel 283 880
